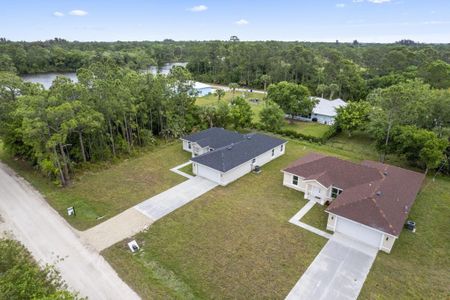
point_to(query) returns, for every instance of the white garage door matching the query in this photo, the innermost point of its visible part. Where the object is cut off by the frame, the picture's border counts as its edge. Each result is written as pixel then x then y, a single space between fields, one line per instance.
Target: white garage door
pixel 208 173
pixel 358 232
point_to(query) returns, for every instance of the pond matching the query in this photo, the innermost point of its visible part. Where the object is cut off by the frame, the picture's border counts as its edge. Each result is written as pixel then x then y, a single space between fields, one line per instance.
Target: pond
pixel 46 79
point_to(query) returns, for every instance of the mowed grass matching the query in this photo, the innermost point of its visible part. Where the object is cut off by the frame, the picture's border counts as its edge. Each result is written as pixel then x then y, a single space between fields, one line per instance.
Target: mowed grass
pixel 106 191
pixel 235 242
pixel 256 107
pixel 309 128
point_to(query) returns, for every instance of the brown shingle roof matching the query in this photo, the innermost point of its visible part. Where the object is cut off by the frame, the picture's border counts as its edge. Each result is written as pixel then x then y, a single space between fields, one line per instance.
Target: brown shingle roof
pixel 381 201
pixel 333 171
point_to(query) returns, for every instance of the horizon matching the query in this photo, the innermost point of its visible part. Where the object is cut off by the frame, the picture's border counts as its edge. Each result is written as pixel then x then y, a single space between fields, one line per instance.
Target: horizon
pixel 367 21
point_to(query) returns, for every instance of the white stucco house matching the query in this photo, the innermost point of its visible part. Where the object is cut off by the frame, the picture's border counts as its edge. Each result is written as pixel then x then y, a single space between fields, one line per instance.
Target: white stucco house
pixel 324 112
pixel 202 89
pixel 368 202
pixel 223 156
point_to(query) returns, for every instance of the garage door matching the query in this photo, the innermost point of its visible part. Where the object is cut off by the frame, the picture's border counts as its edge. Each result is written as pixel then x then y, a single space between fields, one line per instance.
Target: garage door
pixel 208 173
pixel 358 232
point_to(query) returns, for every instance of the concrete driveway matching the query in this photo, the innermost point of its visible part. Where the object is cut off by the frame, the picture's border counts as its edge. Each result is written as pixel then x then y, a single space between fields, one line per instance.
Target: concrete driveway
pixel 175 197
pixel 338 271
pixel 139 217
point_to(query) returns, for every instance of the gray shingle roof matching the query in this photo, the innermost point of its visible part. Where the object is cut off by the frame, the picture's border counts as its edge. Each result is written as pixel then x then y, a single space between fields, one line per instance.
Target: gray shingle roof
pixel 214 137
pixel 233 155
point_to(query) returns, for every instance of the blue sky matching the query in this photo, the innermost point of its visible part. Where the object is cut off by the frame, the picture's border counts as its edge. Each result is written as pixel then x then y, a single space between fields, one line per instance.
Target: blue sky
pixel 314 20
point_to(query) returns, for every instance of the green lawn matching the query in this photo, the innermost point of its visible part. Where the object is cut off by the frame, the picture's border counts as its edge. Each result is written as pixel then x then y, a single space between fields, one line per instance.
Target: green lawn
pixel 256 108
pixel 235 242
pixel 310 128
pixel 187 169
pixel 100 194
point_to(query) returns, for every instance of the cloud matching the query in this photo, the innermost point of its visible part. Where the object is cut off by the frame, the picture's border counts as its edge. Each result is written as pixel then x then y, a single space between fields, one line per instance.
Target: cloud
pixel 58 14
pixel 242 22
pixel 340 5
pixel 198 8
pixel 358 1
pixel 78 13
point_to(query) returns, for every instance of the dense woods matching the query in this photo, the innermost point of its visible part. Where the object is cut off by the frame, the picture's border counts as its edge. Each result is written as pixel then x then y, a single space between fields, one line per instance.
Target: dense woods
pixel 398 95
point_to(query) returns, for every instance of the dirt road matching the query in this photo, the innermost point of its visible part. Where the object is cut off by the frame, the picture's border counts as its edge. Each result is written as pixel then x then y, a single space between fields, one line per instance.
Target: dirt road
pixel 51 240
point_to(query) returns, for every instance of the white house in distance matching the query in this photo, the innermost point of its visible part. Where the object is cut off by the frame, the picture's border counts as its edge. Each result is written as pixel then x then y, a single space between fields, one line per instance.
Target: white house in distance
pixel 324 112
pixel 223 156
pixel 368 202
pixel 202 89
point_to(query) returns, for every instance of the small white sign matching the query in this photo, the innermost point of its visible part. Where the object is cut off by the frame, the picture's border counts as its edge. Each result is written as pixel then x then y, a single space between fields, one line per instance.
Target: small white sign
pixel 71 211
pixel 134 247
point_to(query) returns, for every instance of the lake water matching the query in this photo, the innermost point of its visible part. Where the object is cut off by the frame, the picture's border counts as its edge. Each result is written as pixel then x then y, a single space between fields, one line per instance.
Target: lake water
pixel 46 79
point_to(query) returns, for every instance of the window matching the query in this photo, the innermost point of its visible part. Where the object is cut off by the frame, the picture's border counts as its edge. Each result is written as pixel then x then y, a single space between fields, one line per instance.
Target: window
pixel 295 180
pixel 335 192
pixel 189 145
pixel 273 152
pixel 281 147
pixel 387 238
pixel 253 160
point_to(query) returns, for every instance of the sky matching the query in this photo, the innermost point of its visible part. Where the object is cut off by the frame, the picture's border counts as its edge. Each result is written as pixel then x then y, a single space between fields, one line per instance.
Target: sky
pixel 288 20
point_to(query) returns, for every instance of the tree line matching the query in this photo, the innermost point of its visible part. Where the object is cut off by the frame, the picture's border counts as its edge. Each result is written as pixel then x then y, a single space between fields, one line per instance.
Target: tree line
pixel 346 70
pixel 109 112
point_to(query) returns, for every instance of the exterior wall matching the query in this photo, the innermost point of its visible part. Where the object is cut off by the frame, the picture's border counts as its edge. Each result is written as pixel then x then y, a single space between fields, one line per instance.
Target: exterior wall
pixel 247 167
pixel 197 150
pixel 328 120
pixel 322 119
pixel 287 181
pixel 204 91
pixel 186 146
pixel 385 241
pixel 316 192
pixel 206 172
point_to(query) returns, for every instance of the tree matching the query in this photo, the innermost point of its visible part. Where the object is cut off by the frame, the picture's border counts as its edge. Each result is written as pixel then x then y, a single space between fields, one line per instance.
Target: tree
pixel 333 88
pixel 222 114
pixel 241 113
pixel 265 79
pixel 404 104
pixel 293 99
pixel 420 146
pixel 233 86
pixel 353 116
pixel 321 89
pixel 437 74
pixel 271 116
pixel 219 93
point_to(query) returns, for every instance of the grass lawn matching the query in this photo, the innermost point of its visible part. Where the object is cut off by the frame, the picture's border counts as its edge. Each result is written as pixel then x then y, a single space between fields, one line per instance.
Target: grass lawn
pixel 104 193
pixel 256 108
pixel 310 128
pixel 187 169
pixel 235 242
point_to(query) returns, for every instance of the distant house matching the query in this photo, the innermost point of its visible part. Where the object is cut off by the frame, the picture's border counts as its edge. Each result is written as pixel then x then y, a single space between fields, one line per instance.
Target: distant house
pixel 324 112
pixel 369 202
pixel 202 89
pixel 223 156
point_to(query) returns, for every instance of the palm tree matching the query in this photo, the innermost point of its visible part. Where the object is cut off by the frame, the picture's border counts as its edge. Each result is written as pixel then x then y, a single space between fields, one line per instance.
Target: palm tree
pixel 233 86
pixel 219 93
